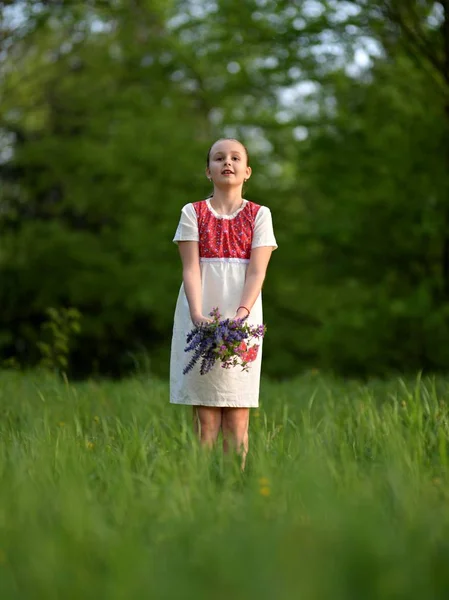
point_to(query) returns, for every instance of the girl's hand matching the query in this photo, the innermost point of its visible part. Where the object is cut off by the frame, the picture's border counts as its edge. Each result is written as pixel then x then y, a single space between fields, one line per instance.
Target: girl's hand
pixel 200 319
pixel 241 313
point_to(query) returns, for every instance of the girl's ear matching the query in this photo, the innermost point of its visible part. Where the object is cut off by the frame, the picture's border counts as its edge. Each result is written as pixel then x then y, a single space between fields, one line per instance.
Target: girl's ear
pixel 248 172
pixel 208 173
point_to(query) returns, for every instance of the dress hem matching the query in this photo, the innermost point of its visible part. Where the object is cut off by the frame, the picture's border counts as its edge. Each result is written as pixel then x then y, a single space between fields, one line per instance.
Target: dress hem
pixel 219 405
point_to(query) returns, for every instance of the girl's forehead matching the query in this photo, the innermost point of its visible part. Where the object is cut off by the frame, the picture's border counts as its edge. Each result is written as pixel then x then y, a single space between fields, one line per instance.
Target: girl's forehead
pixel 227 146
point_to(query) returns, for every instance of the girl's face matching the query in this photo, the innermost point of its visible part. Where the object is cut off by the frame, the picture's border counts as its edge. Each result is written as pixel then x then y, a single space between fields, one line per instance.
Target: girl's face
pixel 228 164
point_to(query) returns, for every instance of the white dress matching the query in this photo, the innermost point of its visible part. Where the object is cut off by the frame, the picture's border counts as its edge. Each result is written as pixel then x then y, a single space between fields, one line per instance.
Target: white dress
pixel 225 243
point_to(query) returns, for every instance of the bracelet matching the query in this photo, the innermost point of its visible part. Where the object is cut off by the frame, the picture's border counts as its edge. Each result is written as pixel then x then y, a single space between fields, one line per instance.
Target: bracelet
pixel 249 312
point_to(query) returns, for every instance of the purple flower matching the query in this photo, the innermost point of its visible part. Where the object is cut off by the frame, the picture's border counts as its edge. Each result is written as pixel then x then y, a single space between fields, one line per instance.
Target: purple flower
pixel 220 340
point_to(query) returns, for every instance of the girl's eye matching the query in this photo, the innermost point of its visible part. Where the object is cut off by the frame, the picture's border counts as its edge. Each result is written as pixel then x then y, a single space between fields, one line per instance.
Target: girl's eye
pixel 236 158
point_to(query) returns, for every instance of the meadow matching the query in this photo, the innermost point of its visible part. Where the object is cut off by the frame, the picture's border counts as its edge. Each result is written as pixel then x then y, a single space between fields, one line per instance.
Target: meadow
pixel 105 493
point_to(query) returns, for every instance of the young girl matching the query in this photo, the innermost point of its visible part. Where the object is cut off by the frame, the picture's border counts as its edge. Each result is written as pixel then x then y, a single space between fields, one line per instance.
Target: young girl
pixel 225 244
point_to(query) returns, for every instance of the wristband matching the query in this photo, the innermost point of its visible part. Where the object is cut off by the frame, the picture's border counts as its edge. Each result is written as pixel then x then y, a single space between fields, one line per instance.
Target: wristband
pixel 244 308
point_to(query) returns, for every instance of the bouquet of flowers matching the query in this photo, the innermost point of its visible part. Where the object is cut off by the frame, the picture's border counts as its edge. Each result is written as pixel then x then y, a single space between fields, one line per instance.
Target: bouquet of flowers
pixel 226 340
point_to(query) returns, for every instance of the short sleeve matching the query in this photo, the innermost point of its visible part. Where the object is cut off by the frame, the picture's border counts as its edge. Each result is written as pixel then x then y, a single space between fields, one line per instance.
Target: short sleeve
pixel 187 230
pixel 263 229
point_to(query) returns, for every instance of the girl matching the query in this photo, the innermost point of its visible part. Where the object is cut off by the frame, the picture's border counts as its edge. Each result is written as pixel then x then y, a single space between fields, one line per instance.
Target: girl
pixel 225 243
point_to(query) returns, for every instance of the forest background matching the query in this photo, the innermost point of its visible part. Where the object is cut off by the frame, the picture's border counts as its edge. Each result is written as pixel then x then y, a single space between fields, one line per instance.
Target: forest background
pixel 107 110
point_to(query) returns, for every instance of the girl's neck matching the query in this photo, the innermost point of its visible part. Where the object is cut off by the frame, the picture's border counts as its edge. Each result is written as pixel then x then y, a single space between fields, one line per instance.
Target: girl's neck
pixel 226 202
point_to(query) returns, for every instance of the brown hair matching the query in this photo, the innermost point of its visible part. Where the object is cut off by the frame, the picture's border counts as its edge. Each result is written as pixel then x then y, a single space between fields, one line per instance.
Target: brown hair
pixel 230 140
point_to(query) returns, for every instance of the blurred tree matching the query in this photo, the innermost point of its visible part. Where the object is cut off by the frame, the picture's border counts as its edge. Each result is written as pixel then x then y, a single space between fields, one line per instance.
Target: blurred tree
pixel 107 110
pixel 103 143
pixel 422 30
pixel 374 175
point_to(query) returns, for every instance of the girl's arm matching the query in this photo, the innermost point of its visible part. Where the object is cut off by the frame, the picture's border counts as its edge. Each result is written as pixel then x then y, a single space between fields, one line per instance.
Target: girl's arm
pixel 255 275
pixel 191 276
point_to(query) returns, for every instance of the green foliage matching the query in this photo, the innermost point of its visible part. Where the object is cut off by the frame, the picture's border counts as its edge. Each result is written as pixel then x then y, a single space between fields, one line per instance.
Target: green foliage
pixel 56 336
pixel 114 497
pixel 371 234
pixel 107 111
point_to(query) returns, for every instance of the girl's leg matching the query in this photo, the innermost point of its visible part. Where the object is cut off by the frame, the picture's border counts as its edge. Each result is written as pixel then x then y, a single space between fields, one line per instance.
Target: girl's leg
pixel 207 423
pixel 235 431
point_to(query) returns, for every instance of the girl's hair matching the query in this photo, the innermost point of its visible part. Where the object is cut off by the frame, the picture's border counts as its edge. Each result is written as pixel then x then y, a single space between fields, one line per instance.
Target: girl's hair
pixel 230 140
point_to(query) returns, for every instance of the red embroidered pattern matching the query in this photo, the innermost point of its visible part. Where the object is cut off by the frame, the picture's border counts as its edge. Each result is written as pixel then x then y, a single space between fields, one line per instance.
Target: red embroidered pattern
pixel 225 238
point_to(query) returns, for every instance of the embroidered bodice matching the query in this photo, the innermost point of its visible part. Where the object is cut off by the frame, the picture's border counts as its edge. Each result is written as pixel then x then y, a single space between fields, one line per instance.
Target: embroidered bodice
pixel 225 236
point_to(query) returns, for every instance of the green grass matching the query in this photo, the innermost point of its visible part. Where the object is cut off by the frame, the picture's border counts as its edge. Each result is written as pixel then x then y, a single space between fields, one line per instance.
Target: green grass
pixel 104 493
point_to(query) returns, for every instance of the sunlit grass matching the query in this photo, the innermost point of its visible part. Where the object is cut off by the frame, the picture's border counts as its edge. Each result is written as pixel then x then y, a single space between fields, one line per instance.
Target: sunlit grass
pixel 105 493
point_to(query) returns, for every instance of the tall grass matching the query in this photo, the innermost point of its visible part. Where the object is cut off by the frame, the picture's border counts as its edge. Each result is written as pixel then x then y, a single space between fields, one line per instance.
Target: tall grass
pixel 105 493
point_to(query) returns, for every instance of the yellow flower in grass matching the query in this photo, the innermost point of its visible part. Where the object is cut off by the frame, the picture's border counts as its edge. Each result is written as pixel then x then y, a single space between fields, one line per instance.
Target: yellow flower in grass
pixel 96 419
pixel 61 424
pixel 90 445
pixel 264 484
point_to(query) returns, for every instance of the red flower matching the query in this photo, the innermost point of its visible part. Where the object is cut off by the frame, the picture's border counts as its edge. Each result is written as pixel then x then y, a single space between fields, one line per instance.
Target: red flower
pixel 251 354
pixel 242 348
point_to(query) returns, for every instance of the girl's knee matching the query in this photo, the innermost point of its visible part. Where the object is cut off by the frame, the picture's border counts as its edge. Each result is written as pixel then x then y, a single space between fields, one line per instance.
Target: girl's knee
pixel 209 421
pixel 235 431
pixel 236 420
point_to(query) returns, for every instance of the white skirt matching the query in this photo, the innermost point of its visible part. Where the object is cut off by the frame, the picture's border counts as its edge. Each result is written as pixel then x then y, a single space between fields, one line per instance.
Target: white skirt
pixel 222 280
